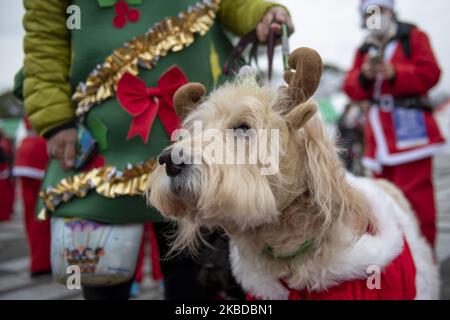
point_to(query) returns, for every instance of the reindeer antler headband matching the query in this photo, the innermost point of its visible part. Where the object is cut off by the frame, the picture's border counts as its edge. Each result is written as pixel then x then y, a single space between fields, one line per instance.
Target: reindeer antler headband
pixel 302 83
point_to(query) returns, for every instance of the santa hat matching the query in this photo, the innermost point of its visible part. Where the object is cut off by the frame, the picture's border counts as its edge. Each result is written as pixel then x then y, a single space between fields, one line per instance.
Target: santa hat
pixel 366 4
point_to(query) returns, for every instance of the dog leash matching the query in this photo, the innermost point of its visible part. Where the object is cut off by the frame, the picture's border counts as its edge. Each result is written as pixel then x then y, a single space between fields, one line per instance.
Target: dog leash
pixel 301 249
pixel 285 50
pixel 251 38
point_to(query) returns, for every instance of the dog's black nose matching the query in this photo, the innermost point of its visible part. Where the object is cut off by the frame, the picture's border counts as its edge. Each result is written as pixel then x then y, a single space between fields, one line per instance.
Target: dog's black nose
pixel 172 169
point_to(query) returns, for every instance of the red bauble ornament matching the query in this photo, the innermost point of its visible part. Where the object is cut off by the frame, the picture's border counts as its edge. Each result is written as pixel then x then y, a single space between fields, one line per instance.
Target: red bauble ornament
pixel 121 8
pixel 124 14
pixel 120 21
pixel 133 15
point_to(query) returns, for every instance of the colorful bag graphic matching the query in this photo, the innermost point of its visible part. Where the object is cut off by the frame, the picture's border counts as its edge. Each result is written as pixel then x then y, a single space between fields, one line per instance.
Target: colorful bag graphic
pixel 106 254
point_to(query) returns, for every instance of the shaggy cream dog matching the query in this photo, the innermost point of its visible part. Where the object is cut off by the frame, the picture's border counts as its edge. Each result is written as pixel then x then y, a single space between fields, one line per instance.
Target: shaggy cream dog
pixel 309 230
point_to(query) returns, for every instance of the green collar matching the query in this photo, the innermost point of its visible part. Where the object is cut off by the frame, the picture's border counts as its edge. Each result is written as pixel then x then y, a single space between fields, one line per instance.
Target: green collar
pixel 110 3
pixel 297 252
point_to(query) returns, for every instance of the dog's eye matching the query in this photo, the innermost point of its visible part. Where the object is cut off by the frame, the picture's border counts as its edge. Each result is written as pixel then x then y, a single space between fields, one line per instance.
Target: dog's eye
pixel 241 127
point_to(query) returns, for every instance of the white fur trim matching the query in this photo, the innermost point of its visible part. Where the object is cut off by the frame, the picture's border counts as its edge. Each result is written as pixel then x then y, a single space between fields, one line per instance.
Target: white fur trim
pixel 427 270
pixel 388 55
pixel 390 50
pixel 28 172
pixel 379 249
pixel 427 273
pixel 384 157
pixel 372 164
pixel 253 277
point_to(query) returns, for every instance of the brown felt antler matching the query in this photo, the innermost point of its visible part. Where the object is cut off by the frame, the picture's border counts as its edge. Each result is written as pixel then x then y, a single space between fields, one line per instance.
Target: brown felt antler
pixel 302 84
pixel 186 98
pixel 304 81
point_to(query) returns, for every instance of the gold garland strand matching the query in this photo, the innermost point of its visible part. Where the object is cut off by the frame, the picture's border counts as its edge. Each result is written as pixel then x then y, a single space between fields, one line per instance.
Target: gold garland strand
pixel 107 181
pixel 169 35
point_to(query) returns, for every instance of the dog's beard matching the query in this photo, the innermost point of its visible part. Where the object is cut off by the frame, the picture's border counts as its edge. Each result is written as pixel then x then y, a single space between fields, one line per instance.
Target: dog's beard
pixel 160 195
pixel 212 194
pixel 235 196
pixel 187 184
pixel 215 195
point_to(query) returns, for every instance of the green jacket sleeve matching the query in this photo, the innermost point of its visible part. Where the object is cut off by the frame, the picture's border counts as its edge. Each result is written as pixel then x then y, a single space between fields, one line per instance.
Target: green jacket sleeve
pixel 47 90
pixel 242 16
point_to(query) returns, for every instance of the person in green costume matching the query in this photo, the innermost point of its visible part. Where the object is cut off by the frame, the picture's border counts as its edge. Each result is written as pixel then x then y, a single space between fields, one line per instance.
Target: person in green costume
pixel 76 75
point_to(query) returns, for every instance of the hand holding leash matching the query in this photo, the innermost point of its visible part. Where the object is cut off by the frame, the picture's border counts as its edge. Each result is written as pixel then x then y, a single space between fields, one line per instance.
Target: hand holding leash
pixel 252 38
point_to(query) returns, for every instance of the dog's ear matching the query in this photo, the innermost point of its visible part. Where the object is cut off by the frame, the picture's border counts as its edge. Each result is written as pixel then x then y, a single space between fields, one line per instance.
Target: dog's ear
pixel 186 98
pixel 300 115
pixel 304 80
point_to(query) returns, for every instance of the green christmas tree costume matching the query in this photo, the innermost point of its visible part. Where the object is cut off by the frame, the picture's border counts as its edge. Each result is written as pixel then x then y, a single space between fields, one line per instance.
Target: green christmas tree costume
pixel 87 64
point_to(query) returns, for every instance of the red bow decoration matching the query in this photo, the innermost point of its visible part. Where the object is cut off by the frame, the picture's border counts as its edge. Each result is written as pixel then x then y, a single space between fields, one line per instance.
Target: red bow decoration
pixel 145 103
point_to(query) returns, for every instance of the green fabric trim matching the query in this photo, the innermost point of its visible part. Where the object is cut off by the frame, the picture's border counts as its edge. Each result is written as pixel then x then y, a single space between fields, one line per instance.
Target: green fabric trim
pixel 110 3
pixel 99 132
pixel 297 252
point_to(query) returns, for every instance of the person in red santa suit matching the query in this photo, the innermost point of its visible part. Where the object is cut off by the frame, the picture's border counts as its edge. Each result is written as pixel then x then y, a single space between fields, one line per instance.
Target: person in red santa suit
pixel 6 181
pixel 29 167
pixel 395 69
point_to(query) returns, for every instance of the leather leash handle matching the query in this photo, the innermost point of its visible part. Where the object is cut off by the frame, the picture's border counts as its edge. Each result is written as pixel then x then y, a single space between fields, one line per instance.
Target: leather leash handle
pixel 270 51
pixel 285 50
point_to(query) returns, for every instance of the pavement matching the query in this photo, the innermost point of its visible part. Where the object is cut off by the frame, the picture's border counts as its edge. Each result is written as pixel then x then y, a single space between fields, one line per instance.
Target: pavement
pixel 16 283
pixel 442 189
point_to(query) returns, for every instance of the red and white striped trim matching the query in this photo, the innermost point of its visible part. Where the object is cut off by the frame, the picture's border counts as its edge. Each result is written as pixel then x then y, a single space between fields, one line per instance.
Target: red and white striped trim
pixel 383 157
pixel 28 172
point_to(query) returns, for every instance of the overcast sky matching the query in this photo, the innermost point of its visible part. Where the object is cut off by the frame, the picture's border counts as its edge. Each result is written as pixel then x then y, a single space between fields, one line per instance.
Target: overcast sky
pixel 11 34
pixel 330 26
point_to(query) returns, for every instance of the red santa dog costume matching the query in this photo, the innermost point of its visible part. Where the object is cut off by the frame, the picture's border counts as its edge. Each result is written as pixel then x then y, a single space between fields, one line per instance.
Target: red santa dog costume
pixel 401 135
pixel 333 236
pixel 396 253
pixel 30 164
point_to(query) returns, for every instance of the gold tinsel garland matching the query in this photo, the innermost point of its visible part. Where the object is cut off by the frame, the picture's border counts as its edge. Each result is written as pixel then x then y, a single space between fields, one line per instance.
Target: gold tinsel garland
pixel 169 35
pixel 107 181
